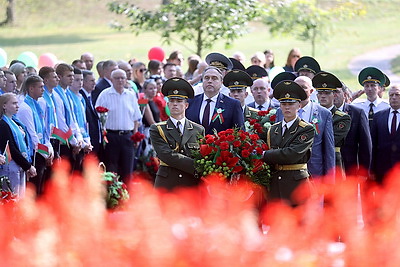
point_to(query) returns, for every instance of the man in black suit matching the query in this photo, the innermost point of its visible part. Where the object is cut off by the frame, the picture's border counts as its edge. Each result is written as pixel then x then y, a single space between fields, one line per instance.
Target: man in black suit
pixel 357 149
pixel 89 82
pixel 105 82
pixel 386 137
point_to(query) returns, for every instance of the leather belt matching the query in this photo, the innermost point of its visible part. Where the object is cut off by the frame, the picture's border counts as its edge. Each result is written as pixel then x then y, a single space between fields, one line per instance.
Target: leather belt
pixel 120 132
pixel 291 167
pixel 337 149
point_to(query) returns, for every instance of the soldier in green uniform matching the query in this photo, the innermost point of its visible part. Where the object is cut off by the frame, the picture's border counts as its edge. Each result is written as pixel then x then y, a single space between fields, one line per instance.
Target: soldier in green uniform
pixel 326 84
pixel 290 142
pixel 174 139
pixel 237 82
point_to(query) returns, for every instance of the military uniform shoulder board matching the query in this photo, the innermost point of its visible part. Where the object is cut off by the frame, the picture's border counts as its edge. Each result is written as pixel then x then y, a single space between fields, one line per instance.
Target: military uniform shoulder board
pixel 340 113
pixel 161 123
pixel 303 123
pixel 253 109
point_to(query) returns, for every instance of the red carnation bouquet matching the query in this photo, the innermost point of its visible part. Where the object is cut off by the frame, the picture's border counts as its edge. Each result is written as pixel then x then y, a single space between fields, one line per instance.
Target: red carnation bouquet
pixel 259 122
pixel 137 137
pixel 233 154
pixel 103 112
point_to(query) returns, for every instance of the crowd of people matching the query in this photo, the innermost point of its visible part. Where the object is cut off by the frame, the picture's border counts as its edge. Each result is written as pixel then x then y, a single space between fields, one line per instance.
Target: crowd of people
pixel 323 130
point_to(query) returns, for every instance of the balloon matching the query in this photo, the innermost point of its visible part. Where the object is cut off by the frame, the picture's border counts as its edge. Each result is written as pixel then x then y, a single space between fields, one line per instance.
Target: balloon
pixel 3 58
pixel 29 58
pixel 156 53
pixel 274 71
pixel 47 60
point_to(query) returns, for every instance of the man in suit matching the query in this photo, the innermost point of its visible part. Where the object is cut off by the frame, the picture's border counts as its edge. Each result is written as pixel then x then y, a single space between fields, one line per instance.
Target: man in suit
pixel 322 161
pixel 326 84
pixel 212 109
pixel 372 79
pixel 260 91
pixel 174 139
pixel 357 149
pixel 89 82
pixel 386 137
pixel 290 142
pixel 108 67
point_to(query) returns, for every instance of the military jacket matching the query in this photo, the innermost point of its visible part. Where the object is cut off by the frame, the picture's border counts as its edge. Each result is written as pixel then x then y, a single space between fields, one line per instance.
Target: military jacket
pixel 174 151
pixel 341 126
pixel 288 157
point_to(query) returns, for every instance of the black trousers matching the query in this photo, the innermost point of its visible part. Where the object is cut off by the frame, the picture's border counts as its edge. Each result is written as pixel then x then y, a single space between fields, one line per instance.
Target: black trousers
pixel 119 155
pixel 39 179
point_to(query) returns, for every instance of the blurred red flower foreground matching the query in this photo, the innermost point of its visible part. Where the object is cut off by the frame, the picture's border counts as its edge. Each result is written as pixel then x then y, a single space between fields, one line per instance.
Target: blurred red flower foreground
pixel 70 226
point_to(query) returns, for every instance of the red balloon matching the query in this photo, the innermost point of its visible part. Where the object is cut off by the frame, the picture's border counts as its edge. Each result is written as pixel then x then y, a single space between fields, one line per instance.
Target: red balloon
pixel 47 60
pixel 156 53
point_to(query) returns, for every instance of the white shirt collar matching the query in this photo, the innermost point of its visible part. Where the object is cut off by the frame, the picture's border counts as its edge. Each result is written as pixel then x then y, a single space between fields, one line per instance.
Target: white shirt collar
pixel 175 121
pixel 213 99
pixel 288 124
pixel 377 101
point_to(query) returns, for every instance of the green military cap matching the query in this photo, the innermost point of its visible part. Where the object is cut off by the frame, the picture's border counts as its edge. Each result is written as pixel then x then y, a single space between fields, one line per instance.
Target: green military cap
pixel 371 74
pixel 289 91
pixel 256 72
pixel 177 88
pixel 237 79
pixel 219 61
pixel 286 75
pixel 387 81
pixel 307 63
pixel 237 65
pixel 325 81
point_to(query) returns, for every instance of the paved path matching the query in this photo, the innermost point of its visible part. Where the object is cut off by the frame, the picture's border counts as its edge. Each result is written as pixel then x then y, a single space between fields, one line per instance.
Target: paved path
pixel 380 59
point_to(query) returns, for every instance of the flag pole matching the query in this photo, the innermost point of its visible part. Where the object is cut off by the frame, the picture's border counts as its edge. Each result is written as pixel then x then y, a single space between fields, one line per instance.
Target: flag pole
pixel 5 149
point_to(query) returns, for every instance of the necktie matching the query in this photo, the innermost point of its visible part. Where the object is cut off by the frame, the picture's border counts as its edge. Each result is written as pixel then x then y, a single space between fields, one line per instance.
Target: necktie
pixel 260 107
pixel 90 102
pixel 206 115
pixel 301 111
pixel 393 128
pixel 178 127
pixel 370 113
pixel 284 130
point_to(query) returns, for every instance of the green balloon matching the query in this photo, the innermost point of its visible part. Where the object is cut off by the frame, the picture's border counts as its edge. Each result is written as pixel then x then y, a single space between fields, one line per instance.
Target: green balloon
pixel 3 58
pixel 29 58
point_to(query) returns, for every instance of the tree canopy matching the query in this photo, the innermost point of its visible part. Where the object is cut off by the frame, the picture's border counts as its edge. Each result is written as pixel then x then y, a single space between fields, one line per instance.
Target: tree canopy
pixel 309 20
pixel 200 21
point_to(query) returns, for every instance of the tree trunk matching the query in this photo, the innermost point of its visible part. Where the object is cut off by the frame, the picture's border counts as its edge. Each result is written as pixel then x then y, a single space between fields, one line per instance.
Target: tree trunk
pixel 165 2
pixel 199 42
pixel 9 13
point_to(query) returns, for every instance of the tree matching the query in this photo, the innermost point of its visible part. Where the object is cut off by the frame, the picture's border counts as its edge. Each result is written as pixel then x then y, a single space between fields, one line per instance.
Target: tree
pixel 309 20
pixel 9 13
pixel 201 21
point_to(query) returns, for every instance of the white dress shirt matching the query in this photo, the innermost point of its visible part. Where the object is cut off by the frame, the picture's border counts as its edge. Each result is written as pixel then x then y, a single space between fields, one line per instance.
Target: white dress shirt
pixel 212 107
pixel 379 105
pixel 181 126
pixel 287 124
pixel 123 109
pixel 62 123
pixel 25 115
pixel 306 112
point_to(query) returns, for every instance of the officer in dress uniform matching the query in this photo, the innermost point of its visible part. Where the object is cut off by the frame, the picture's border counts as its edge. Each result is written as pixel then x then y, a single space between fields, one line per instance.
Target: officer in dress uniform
pixel 174 139
pixel 326 84
pixel 290 142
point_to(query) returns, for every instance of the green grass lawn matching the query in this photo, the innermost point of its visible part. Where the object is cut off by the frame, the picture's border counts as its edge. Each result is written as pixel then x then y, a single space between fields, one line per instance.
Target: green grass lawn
pixel 69 40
